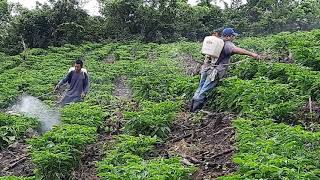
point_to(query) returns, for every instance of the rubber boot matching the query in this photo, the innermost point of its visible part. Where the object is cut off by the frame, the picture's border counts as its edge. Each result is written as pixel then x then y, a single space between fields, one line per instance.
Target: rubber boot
pixel 191 105
pixel 196 105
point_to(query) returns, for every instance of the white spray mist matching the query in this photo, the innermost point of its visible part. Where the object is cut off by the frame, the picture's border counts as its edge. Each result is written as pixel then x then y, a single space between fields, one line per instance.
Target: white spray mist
pixel 33 107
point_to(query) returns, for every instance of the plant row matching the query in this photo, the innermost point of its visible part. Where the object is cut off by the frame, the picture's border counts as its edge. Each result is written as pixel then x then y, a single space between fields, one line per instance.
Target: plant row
pixel 57 153
pixel 12 127
pixel 268 150
pixel 125 159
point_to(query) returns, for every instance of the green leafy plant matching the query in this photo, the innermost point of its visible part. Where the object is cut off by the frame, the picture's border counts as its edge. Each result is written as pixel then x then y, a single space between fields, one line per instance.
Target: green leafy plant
pixel 57 152
pixel 83 114
pixel 124 161
pixel 153 119
pixel 270 150
pixel 16 178
pixel 259 98
pixel 13 127
pixel 256 90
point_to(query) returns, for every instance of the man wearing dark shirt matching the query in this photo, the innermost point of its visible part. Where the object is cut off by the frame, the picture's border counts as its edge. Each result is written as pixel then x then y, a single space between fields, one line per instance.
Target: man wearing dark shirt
pixel 78 81
pixel 212 72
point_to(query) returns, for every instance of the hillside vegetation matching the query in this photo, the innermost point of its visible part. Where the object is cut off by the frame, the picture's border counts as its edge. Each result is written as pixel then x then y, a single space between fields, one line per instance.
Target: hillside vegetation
pixel 275 108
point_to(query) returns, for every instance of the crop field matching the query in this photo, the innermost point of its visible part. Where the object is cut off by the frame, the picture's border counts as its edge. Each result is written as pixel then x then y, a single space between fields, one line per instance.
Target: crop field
pixel 261 122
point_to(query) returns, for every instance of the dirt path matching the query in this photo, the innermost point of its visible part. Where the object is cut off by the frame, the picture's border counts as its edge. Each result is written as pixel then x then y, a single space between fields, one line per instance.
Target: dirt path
pixel 16 160
pixel 87 169
pixel 93 153
pixel 209 144
pixel 123 90
pixel 190 66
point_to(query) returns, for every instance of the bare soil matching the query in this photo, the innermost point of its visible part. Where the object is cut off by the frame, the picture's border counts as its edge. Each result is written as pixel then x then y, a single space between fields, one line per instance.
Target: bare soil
pixel 207 142
pixel 16 160
pixel 190 65
pixel 111 58
pixel 309 116
pixel 93 154
pixel 123 90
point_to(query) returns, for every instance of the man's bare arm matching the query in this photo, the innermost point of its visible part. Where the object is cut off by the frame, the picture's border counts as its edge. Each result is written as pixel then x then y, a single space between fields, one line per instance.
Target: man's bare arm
pixel 241 51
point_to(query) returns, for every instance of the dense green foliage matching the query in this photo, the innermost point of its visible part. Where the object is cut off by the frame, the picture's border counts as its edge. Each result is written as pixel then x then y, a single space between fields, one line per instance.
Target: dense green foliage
pixel 153 119
pixel 263 90
pixel 64 21
pixel 275 151
pixel 263 17
pixel 259 98
pixel 16 178
pixel 125 161
pixel 262 93
pixel 82 114
pixel 12 127
pixel 304 47
pixel 295 76
pixel 57 152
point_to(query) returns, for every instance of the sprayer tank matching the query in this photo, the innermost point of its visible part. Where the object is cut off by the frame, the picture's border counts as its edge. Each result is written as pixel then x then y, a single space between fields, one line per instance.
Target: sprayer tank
pixel 212 46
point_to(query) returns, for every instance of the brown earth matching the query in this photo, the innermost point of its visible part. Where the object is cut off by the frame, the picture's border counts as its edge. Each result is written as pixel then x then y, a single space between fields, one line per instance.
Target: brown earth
pixel 123 90
pixel 93 154
pixel 111 58
pixel 206 140
pixel 16 160
pixel 309 116
pixel 190 65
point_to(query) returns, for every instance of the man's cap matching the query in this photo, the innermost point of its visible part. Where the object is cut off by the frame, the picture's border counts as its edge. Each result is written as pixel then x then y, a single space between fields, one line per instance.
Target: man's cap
pixel 229 32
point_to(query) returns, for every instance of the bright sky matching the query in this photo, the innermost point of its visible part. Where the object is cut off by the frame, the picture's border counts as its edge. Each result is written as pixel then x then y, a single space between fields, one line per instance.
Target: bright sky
pixel 91 6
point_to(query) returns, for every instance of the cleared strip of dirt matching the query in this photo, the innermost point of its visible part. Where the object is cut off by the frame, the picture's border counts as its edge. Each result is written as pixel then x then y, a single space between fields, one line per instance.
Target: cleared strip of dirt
pixel 123 90
pixel 190 66
pixel 16 160
pixel 93 153
pixel 208 144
